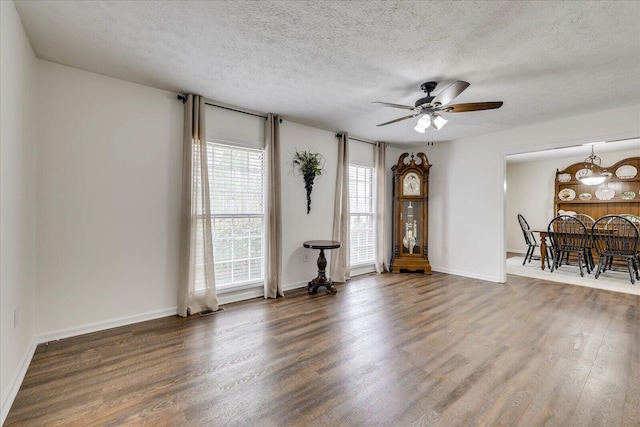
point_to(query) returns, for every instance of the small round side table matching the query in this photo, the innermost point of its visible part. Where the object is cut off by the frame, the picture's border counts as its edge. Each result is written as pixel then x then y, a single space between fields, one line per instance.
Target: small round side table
pixel 321 280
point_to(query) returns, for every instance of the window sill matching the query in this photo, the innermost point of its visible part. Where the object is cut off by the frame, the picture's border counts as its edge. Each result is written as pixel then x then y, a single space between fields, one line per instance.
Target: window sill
pixel 240 287
pixel 357 270
pixel 239 293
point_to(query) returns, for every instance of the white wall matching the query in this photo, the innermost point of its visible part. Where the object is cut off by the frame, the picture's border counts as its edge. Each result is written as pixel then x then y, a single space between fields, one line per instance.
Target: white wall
pixel 231 126
pixel 109 177
pixel 18 121
pixel 108 249
pixel 297 225
pixel 467 202
pixel 531 187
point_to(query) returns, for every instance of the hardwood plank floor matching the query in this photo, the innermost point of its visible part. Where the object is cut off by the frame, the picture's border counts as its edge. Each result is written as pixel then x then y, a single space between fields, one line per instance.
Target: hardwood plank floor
pixel 389 350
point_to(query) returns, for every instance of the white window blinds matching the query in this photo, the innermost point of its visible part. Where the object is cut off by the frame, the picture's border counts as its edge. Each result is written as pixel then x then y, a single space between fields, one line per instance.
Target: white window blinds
pixel 361 204
pixel 237 186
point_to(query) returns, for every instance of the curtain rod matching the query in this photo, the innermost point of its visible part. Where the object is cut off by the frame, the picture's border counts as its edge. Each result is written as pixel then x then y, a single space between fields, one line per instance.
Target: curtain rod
pixel 339 134
pixel 183 98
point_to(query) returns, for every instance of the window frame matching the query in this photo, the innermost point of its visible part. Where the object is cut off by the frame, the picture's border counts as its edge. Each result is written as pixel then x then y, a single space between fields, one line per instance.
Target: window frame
pixel 255 282
pixel 371 214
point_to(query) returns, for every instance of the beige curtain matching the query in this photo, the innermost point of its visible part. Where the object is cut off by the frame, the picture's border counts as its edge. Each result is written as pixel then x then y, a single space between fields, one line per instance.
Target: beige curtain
pixel 197 284
pixel 273 279
pixel 382 244
pixel 340 270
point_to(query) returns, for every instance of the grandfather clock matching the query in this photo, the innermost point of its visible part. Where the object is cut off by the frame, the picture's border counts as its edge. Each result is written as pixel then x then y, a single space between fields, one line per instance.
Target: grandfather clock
pixel 411 215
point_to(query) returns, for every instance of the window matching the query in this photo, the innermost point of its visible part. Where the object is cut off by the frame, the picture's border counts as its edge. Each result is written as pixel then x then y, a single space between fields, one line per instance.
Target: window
pixel 237 185
pixel 361 205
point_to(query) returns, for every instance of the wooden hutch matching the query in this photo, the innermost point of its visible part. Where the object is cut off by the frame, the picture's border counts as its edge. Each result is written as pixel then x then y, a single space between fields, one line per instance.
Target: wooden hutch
pixel 618 195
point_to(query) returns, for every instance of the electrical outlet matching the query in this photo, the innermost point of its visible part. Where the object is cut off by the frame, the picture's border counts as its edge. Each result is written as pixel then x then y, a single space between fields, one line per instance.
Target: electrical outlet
pixel 305 257
pixel 446 250
pixel 15 317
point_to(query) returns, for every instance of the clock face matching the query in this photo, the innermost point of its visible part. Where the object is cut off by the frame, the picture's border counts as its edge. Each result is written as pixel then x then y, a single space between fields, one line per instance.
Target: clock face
pixel 411 184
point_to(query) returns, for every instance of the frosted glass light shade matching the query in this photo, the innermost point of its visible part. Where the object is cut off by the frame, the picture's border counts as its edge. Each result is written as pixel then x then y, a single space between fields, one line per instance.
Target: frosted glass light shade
pixel 438 121
pixel 593 179
pixel 423 123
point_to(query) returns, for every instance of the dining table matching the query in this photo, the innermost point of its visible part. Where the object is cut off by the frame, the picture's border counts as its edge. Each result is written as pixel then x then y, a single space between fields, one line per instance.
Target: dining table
pixel 543 233
pixel 543 244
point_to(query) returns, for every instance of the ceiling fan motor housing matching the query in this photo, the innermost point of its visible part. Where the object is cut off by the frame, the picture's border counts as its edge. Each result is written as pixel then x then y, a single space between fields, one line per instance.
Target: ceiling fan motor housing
pixel 427 87
pixel 425 100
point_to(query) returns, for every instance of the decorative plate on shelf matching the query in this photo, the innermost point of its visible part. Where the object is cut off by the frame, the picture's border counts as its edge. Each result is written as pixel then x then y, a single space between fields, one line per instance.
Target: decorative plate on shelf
pixel 583 172
pixel 567 194
pixel 605 193
pixel 564 177
pixel 626 172
pixel 585 196
pixel 628 195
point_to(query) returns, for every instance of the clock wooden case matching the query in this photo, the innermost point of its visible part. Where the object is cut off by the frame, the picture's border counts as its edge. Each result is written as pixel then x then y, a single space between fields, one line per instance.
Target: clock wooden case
pixel 411 214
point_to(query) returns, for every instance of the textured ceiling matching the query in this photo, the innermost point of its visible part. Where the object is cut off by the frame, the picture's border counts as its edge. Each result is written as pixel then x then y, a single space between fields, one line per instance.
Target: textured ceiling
pixel 322 63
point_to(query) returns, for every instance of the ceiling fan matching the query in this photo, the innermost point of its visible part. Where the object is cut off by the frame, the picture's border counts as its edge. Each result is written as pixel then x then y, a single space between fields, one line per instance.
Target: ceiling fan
pixel 430 107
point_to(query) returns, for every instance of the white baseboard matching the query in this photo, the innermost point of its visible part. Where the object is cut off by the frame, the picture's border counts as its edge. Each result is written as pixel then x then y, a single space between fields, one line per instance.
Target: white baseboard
pixel 16 381
pixel 517 251
pixel 294 285
pixel 256 292
pixel 101 326
pixel 467 274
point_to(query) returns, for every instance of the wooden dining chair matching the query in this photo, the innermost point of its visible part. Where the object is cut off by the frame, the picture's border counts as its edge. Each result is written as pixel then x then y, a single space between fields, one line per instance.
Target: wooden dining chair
pixel 569 235
pixel 531 242
pixel 614 237
pixel 588 223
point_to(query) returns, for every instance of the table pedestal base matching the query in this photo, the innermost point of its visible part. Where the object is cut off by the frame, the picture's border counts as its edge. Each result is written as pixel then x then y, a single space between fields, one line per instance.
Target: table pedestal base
pixel 321 280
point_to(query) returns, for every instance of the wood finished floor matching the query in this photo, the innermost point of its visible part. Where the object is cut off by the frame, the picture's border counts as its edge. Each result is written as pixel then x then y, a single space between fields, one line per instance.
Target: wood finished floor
pixel 390 350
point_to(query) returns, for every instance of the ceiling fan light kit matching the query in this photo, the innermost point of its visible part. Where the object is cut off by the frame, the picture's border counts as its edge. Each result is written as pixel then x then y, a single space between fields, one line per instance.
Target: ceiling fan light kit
pixel 430 107
pixel 429 119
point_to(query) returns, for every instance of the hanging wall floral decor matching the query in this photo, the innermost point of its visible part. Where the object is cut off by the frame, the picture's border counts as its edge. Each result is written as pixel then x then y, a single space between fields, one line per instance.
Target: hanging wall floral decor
pixel 309 165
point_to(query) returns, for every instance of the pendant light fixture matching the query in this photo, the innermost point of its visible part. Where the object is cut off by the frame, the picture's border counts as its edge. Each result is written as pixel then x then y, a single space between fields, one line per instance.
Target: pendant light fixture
pixel 594 174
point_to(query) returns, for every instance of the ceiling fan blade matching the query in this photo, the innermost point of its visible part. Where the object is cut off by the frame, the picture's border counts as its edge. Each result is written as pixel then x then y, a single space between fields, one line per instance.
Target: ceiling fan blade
pixel 405 107
pixel 473 106
pixel 398 120
pixel 448 94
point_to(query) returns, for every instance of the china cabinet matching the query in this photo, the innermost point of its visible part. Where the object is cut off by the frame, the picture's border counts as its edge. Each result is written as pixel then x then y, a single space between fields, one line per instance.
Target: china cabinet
pixel 410 214
pixel 618 195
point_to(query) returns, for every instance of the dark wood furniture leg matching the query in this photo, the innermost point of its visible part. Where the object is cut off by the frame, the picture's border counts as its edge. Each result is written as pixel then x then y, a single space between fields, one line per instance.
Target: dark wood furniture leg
pixel 321 280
